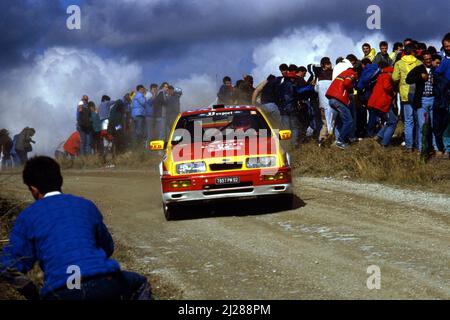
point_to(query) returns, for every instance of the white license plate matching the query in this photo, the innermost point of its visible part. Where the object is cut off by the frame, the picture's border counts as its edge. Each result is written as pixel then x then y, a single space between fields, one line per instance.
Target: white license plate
pixel 228 180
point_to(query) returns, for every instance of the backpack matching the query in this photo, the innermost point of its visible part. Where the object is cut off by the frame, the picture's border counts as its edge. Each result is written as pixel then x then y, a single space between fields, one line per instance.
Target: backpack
pixel 84 118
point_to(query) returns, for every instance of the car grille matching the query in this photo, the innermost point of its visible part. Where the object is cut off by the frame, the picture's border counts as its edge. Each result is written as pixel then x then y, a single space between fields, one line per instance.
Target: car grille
pixel 227 186
pixel 228 191
pixel 225 166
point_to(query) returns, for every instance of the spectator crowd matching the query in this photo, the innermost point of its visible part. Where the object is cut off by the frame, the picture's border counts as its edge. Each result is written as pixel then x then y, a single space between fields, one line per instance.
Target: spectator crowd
pixel 342 104
pixel 359 98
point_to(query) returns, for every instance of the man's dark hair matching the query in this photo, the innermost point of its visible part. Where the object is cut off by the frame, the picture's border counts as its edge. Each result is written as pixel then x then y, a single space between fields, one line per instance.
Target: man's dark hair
pixel 43 173
pixel 302 69
pixel 283 67
pixel 437 57
pixel 352 58
pixel 339 60
pixel 225 79
pixel 383 44
pixel 397 45
pixel 105 98
pixel 139 87
pixel 293 68
pixel 432 50
pixel 324 61
pixel 153 85
pixel 271 77
pixel 446 38
pixel 409 49
pixel 425 52
pixel 358 68
pixel 422 46
pixel 366 45
pixel 366 61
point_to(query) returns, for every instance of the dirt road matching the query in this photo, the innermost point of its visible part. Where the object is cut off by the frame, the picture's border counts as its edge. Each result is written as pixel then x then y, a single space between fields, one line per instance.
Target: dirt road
pixel 248 250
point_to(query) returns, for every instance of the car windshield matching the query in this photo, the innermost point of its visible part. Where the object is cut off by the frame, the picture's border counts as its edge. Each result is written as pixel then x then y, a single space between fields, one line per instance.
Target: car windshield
pixel 230 124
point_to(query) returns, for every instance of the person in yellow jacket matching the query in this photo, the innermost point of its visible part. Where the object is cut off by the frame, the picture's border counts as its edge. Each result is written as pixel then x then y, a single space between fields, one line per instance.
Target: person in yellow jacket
pixel 401 70
pixel 368 51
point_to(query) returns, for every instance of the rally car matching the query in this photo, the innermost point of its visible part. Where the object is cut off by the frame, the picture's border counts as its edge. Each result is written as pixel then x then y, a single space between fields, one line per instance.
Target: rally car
pixel 223 152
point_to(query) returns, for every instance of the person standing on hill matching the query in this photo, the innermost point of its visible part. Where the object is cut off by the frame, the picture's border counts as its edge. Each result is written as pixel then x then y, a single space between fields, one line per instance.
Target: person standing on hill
pixel 23 144
pixel 380 103
pixel 339 99
pixel 383 55
pixel 6 145
pixel 84 127
pixel 401 70
pixel 97 144
pixel 159 110
pixel 369 52
pixel 138 114
pixel 173 106
pixel 149 112
pixel 225 95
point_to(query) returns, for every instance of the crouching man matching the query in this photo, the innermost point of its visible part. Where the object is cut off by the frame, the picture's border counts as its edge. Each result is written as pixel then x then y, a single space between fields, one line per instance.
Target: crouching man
pixel 66 235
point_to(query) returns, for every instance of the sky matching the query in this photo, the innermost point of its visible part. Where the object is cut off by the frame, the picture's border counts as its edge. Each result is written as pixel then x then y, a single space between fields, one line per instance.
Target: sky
pixel 193 44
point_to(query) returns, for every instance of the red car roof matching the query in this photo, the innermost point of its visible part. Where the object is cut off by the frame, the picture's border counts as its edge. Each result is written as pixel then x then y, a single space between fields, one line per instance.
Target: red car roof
pixel 217 108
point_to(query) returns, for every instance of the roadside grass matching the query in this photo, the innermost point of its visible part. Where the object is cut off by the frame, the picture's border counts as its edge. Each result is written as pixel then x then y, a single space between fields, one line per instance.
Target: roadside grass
pixel 9 209
pixel 367 161
pixel 129 160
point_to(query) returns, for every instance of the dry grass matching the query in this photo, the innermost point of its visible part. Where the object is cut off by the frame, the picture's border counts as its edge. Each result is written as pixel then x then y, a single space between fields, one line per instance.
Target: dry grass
pixel 367 161
pixel 9 209
pixel 130 159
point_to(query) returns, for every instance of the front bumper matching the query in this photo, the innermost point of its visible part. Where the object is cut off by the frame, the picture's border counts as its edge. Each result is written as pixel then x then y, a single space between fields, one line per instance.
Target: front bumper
pixel 235 192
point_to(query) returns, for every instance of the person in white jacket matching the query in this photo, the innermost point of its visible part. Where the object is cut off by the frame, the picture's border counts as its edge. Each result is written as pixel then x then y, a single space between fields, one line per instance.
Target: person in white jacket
pixel 341 66
pixel 324 79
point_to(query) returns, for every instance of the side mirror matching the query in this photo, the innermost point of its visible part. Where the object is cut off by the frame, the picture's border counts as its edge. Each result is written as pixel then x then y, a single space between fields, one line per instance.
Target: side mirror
pixel 285 134
pixel 156 145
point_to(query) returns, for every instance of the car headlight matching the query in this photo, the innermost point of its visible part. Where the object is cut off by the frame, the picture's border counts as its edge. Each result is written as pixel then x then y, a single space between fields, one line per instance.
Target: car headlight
pixel 191 167
pixel 261 162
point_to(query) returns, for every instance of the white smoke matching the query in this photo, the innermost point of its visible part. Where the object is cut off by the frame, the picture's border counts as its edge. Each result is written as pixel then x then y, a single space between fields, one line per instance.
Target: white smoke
pixel 199 90
pixel 308 45
pixel 44 95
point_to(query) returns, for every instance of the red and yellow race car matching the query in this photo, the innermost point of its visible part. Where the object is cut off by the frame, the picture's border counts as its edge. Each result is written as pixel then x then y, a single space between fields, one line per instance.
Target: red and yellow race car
pixel 223 152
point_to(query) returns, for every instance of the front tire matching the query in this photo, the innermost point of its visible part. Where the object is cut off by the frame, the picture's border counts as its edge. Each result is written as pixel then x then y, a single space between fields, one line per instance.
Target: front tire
pixel 169 211
pixel 286 201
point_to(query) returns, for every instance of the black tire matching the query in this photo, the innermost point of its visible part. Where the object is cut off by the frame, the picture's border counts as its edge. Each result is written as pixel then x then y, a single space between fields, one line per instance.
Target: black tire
pixel 169 211
pixel 286 201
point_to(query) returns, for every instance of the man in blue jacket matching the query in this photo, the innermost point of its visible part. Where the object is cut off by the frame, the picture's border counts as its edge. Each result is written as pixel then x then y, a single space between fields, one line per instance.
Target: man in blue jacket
pixel 138 113
pixel 66 235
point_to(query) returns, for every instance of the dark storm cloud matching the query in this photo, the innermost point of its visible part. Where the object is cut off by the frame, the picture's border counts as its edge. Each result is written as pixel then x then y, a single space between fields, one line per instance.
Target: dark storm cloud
pixel 155 29
pixel 24 27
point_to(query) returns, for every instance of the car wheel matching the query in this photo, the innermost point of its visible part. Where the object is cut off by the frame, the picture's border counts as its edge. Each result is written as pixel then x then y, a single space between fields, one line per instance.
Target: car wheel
pixel 287 201
pixel 169 211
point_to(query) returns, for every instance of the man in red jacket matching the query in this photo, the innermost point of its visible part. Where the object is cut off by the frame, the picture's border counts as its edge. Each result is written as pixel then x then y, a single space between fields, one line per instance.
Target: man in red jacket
pixel 339 99
pixel 381 102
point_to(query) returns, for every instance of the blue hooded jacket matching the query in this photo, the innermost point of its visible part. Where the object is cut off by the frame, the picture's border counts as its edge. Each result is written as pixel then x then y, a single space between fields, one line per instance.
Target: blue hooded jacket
pixel 368 79
pixel 58 232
